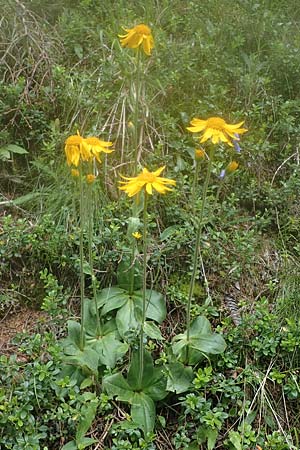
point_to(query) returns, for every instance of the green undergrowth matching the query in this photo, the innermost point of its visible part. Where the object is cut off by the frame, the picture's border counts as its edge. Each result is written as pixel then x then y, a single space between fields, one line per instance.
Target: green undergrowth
pixel 242 398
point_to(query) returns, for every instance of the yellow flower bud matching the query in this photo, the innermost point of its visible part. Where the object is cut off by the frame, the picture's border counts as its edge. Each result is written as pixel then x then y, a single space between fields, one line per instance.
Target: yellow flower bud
pixel 199 154
pixel 90 178
pixel 137 235
pixel 232 167
pixel 75 173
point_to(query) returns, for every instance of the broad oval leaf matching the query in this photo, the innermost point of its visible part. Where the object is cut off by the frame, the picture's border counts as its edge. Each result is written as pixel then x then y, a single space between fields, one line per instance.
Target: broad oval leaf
pixel 134 371
pixel 126 318
pixel 106 294
pixel 179 377
pixel 152 331
pixel 155 304
pixel 110 349
pixel 116 385
pixel 143 411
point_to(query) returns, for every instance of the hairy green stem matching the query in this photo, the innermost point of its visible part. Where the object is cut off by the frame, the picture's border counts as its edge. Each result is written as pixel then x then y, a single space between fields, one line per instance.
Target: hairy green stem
pixel 196 254
pixel 131 285
pixel 194 188
pixel 145 223
pixel 90 242
pixel 81 212
pixel 136 110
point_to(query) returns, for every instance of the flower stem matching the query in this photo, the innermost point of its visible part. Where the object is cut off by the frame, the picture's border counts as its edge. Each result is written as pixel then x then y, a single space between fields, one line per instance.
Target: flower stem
pixel 132 263
pixel 136 110
pixel 196 254
pixel 90 241
pixel 196 175
pixel 81 212
pixel 145 223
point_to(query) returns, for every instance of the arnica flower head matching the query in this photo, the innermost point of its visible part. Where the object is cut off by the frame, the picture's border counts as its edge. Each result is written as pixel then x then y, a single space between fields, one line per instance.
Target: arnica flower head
pixel 137 235
pixel 140 35
pixel 147 180
pixel 75 173
pixel 217 130
pixel 199 154
pixel 96 146
pixel 79 149
pixel 76 149
pixel 90 178
pixel 232 167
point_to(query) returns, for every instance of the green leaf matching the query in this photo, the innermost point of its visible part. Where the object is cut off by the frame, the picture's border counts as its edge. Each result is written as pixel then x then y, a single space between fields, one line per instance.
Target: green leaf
pixel 78 51
pixel 168 232
pixel 116 385
pixel 179 377
pixel 4 154
pixel 157 388
pixel 126 318
pixel 124 275
pixel 192 446
pixel 134 370
pixel 155 304
pixel 152 331
pixel 87 382
pixel 202 340
pixel 110 349
pixel 200 325
pixel 212 435
pixel 235 439
pixel 25 198
pixel 88 358
pixel 88 413
pixel 115 302
pixel 12 148
pixel 143 411
pixel 134 223
pixel 70 446
pixel 107 294
pixel 86 442
pixel 74 333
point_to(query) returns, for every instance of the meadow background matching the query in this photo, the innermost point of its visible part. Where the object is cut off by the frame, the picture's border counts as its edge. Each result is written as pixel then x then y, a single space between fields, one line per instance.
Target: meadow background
pixel 62 69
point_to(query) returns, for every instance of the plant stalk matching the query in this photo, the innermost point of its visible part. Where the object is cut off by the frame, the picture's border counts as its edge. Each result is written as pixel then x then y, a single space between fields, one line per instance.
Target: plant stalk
pixel 196 175
pixel 136 110
pixel 131 288
pixel 81 212
pixel 90 241
pixel 196 253
pixel 145 223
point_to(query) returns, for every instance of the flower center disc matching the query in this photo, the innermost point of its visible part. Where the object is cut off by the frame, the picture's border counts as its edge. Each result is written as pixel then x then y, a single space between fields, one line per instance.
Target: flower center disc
pixel 143 29
pixel 216 123
pixel 148 177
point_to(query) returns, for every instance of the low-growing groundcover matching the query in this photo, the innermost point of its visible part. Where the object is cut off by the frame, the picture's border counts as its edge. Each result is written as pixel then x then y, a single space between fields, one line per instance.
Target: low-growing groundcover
pixel 163 252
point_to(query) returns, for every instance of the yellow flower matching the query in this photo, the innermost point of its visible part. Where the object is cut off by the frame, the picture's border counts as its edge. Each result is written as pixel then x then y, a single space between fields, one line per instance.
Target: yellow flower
pixel 96 146
pixel 76 150
pixel 136 36
pixel 137 235
pixel 90 178
pixel 75 173
pixel 199 154
pixel 147 180
pixel 217 130
pixel 232 167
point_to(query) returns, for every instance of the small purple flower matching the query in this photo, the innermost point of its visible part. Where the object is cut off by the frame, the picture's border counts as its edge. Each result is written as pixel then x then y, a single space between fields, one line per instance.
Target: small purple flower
pixel 236 143
pixel 222 174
